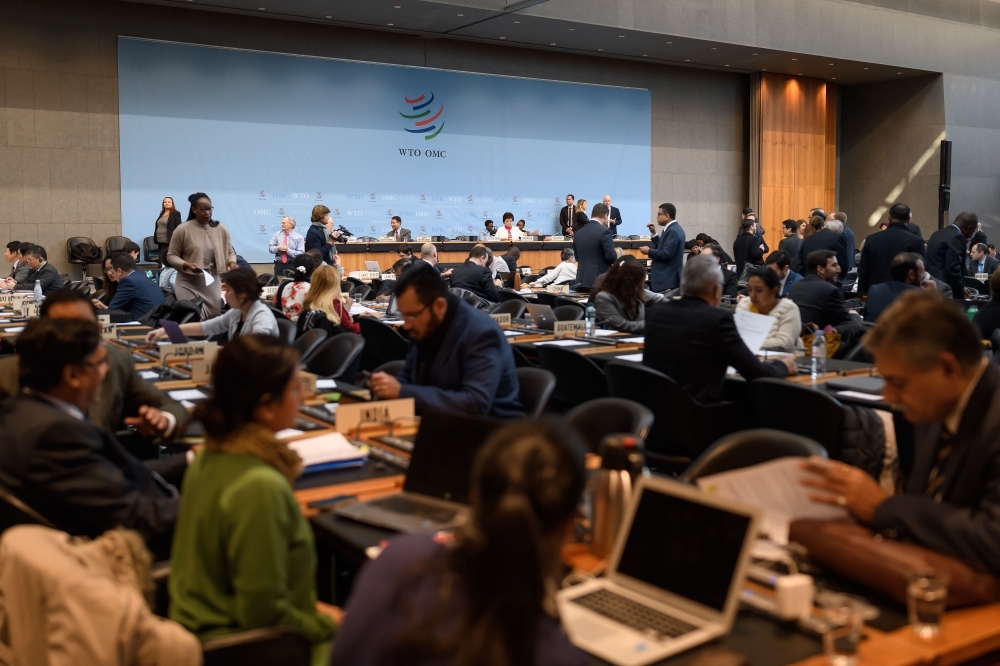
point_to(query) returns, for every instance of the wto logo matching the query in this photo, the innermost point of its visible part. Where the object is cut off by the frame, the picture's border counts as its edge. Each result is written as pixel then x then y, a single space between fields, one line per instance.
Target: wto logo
pixel 262 228
pixel 513 200
pixel 281 211
pixel 261 194
pixel 423 198
pixel 388 212
pixel 423 121
pixel 470 198
pixel 319 196
pixel 423 229
pixel 336 212
pixel 371 197
pixel 438 214
pixel 529 214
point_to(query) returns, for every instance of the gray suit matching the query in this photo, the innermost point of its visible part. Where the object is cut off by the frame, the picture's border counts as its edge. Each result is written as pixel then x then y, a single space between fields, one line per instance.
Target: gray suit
pixel 404 235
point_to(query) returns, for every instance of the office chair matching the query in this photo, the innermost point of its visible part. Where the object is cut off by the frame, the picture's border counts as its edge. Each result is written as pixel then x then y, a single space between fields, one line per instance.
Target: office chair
pixel 307 343
pixel 578 379
pixel 393 368
pixel 286 331
pixel 382 343
pixel 114 244
pixel 258 647
pixel 515 308
pixel 750 447
pixel 568 313
pixel 779 404
pixel 562 300
pixel 472 299
pixel 511 295
pixel 339 357
pixel 15 512
pixel 603 416
pixel 545 298
pixel 536 387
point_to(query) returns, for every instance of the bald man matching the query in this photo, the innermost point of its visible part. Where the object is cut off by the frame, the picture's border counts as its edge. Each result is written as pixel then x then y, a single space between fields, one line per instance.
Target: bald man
pixel 615 217
pixel 429 253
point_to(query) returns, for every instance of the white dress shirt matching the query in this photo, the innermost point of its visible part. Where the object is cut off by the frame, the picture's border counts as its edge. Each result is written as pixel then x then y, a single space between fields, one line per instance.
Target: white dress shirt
pixel 503 233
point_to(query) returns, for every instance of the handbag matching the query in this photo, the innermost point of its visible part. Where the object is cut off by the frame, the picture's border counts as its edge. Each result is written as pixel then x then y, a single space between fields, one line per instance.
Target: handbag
pixel 832 342
pixel 855 552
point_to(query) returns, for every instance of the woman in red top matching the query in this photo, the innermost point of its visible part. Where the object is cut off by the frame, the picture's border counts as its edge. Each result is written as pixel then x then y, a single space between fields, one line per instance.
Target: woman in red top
pixel 325 306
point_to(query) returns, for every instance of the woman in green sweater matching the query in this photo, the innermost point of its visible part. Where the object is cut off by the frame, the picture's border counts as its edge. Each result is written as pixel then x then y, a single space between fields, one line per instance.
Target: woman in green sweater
pixel 243 554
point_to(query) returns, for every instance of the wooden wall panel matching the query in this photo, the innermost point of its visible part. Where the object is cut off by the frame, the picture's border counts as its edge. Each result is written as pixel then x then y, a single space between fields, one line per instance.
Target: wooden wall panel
pixel 798 154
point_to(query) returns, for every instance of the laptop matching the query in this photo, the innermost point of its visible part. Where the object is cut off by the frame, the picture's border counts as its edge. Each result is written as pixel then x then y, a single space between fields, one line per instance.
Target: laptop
pixel 870 385
pixel 436 489
pixel 673 581
pixel 173 331
pixel 543 316
pixel 373 266
pixel 391 309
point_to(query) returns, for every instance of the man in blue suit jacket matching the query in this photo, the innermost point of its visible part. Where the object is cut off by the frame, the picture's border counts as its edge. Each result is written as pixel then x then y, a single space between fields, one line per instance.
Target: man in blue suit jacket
pixel 136 293
pixel 458 361
pixel 781 263
pixel 667 251
pixel 906 272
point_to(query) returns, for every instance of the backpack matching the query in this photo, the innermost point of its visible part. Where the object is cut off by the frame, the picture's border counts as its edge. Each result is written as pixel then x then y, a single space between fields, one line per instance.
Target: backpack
pixel 85 253
pixel 173 310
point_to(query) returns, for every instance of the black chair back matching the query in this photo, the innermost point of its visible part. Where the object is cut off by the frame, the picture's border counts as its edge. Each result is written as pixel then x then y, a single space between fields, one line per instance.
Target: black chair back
pixel 578 379
pixel 783 405
pixel 471 298
pixel 393 368
pixel 258 647
pixel 604 416
pixel 982 288
pixel 562 300
pixel 114 244
pixel 363 291
pixel 682 427
pixel 339 358
pixel 15 512
pixel 568 313
pixel 545 298
pixel 382 343
pixel 278 313
pixel 750 447
pixel 150 250
pixel 286 331
pixel 511 295
pixel 536 387
pixel 515 308
pixel 520 360
pixel 307 343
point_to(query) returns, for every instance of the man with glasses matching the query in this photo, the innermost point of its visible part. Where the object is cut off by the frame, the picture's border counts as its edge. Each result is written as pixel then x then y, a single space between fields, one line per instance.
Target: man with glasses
pixel 55 460
pixel 666 251
pixel 459 360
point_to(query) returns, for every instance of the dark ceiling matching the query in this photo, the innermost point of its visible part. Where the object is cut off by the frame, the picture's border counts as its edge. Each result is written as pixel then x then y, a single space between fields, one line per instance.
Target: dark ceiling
pixel 432 19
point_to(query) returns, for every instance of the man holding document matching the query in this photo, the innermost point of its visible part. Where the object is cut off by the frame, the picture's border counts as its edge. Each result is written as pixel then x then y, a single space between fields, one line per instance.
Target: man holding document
pixel 930 357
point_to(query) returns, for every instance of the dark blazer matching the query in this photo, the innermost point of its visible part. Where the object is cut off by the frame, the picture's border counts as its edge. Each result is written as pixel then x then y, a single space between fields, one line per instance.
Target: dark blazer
pixel 880 249
pixel 964 523
pixel 730 283
pixel 946 258
pixel 404 235
pixel 914 229
pixel 977 237
pixel 881 296
pixel 791 246
pixel 477 279
pixel 792 278
pixel 852 248
pixel 316 236
pixel 473 371
pixel 566 219
pixel 991 265
pixel 47 275
pixel 614 219
pixel 20 273
pixel 746 249
pixel 509 260
pixel 580 220
pixel 667 253
pixel 819 302
pixel 173 221
pixel 824 240
pixel 78 475
pixel 693 343
pixel 136 294
pixel 594 247
pixel 987 319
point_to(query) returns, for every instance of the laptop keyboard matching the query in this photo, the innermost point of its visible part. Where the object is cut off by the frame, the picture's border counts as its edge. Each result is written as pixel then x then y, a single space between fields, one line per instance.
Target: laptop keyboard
pixel 401 504
pixel 633 614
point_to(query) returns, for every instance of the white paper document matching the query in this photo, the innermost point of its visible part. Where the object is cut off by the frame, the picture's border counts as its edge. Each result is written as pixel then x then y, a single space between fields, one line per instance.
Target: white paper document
pixel 357 308
pixel 13 329
pixel 563 343
pixel 329 448
pixel 604 331
pixel 326 384
pixel 287 433
pixel 639 340
pixel 208 277
pixel 149 374
pixel 753 328
pixel 392 322
pixel 631 357
pixel 187 394
pixel 187 404
pixel 512 334
pixel 858 395
pixel 773 487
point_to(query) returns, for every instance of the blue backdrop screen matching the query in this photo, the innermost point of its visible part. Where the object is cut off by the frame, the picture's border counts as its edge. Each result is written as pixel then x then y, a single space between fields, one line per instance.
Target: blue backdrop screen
pixel 269 135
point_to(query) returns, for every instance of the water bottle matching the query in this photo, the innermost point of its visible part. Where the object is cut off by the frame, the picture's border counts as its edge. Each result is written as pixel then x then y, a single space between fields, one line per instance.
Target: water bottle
pixel 529 321
pixel 621 465
pixel 818 363
pixel 972 312
pixel 38 291
pixel 591 320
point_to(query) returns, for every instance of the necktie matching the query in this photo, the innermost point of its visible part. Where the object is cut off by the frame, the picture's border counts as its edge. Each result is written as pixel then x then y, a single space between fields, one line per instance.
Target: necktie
pixel 935 479
pixel 284 255
pixel 397 234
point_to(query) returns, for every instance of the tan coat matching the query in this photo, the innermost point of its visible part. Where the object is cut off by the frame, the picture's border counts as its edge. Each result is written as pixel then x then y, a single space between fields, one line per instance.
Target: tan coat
pixel 66 601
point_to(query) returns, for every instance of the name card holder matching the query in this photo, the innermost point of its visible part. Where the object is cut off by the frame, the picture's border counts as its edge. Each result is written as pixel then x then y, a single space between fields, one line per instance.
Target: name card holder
pixel 30 309
pixel 269 292
pixel 502 319
pixel 6 299
pixel 201 370
pixel 569 329
pixel 104 319
pixel 16 300
pixel 557 238
pixel 423 239
pixel 645 238
pixel 109 331
pixel 387 276
pixel 557 288
pixel 369 275
pixel 204 350
pixel 350 416
pixel 983 276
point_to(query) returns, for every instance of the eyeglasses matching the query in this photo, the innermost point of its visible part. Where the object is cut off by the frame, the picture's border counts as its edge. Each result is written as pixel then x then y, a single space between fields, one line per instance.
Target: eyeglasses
pixel 206 209
pixel 93 364
pixel 413 317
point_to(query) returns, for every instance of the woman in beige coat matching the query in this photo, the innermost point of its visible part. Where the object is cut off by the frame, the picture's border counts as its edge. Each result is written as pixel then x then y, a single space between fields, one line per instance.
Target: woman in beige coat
pixel 198 249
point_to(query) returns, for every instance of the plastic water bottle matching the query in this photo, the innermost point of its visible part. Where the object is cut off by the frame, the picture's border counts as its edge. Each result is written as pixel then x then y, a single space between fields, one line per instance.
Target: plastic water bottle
pixel 818 363
pixel 38 291
pixel 972 312
pixel 529 321
pixel 591 320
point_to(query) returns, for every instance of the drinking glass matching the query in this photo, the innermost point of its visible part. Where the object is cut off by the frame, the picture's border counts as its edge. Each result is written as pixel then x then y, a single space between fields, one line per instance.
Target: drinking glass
pixel 926 597
pixel 844 622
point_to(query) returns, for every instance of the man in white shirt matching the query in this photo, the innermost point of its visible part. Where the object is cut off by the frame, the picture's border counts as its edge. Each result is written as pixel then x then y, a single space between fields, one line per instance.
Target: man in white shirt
pixel 565 272
pixel 508 232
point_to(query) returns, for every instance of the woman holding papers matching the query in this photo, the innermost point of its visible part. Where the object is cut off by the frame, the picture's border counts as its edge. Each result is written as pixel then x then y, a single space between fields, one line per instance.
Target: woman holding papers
pixel 198 250
pixel 243 554
pixel 484 595
pixel 325 306
pixel 622 297
pixel 786 330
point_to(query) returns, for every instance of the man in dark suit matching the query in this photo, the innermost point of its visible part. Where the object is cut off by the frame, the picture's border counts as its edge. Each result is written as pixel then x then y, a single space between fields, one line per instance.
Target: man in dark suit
pixel 790 243
pixel 474 276
pixel 730 281
pixel 566 216
pixel 914 228
pixel 39 270
pixel 946 252
pixel 511 257
pixel 398 234
pixel 136 293
pixel 907 273
pixel 59 463
pixel 980 261
pixel 819 297
pixel 825 239
pixel 693 341
pixel 614 215
pixel 667 251
pixel 849 239
pixel 931 359
pixel 758 230
pixel 747 248
pixel 459 360
pixel 594 247
pixel 883 246
pixel 780 263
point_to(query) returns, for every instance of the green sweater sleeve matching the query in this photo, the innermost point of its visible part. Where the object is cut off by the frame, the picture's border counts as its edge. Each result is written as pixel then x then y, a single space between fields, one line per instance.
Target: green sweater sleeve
pixel 262 518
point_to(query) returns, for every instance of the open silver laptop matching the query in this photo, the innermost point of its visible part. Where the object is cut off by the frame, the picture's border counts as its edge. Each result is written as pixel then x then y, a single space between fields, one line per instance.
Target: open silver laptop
pixel 543 316
pixel 372 266
pixel 673 580
pixel 436 489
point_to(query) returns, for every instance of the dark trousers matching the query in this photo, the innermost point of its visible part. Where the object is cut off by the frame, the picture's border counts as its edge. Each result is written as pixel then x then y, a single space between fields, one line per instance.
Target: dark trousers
pixel 163 253
pixel 280 268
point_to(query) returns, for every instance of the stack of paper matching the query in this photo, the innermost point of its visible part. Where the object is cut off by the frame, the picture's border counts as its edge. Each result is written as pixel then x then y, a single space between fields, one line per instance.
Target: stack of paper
pixel 329 451
pixel 753 328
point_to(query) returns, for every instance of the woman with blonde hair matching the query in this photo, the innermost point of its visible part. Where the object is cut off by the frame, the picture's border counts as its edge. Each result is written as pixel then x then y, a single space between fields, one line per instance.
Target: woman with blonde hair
pixel 325 306
pixel 580 217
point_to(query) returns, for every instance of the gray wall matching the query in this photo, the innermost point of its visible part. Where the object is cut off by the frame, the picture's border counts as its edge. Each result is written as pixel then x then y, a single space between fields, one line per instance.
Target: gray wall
pixel 886 130
pixel 972 114
pixel 59 166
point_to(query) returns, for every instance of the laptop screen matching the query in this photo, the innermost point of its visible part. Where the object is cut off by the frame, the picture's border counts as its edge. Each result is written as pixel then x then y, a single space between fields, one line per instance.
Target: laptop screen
pixel 683 547
pixel 441 462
